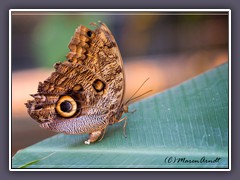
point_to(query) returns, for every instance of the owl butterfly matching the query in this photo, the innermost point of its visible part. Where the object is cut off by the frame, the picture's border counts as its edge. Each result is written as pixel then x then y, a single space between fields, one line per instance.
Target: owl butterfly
pixel 85 93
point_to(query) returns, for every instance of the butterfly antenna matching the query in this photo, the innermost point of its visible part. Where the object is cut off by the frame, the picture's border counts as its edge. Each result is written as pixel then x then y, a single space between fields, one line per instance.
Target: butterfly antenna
pixel 140 95
pixel 132 97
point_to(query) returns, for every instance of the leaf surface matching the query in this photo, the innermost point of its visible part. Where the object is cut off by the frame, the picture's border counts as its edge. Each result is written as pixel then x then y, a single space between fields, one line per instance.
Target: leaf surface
pixel 183 127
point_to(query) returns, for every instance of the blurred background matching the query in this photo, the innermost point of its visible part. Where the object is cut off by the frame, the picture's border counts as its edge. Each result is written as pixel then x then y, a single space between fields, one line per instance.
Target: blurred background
pixel 167 47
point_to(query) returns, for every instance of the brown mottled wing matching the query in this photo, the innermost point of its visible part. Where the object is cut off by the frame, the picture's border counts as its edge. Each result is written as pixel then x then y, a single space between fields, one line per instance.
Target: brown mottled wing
pixel 92 76
pixel 98 52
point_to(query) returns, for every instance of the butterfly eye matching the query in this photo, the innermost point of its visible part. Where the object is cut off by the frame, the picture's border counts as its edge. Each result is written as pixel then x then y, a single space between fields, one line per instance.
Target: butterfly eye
pixel 98 85
pixel 66 106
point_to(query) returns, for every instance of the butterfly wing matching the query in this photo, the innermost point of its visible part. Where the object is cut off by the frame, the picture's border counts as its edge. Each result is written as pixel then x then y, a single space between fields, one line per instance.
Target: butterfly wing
pixel 99 53
pixel 85 92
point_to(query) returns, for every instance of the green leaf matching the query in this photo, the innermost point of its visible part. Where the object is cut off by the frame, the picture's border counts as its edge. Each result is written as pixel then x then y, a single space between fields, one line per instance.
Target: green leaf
pixel 34 161
pixel 183 127
pixel 29 163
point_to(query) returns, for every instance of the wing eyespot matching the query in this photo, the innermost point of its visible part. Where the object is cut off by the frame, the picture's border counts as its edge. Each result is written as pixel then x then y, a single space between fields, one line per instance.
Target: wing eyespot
pixel 98 85
pixel 66 106
pixel 77 88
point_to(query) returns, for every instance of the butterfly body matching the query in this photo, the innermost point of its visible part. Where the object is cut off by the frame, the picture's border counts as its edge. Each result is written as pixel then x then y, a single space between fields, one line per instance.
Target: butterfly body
pixel 85 93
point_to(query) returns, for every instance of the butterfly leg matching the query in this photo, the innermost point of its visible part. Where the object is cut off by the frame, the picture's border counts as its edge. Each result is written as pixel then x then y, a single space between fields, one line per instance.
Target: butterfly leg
pixel 94 136
pixel 124 126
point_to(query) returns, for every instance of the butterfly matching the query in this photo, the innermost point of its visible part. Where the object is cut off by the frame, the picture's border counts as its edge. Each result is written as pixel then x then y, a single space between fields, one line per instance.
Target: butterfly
pixel 84 95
